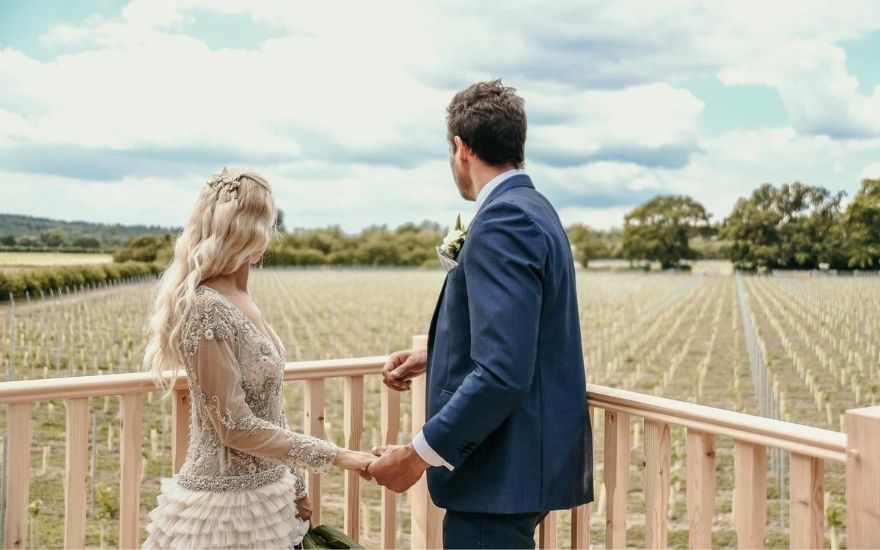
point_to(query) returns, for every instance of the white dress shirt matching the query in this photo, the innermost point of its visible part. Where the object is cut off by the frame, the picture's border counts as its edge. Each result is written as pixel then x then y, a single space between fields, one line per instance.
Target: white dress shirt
pixel 420 444
pixel 494 183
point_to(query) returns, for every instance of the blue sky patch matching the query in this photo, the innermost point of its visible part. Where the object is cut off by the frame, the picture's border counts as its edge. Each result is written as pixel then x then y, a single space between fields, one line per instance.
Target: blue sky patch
pixel 736 107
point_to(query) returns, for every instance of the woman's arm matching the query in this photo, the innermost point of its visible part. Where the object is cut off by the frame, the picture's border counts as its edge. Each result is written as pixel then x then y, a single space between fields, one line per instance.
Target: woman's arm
pixel 216 385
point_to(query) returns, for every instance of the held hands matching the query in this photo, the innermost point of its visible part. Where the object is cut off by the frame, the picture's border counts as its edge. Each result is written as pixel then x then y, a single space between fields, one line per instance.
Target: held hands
pixel 398 467
pixel 358 461
pixel 402 367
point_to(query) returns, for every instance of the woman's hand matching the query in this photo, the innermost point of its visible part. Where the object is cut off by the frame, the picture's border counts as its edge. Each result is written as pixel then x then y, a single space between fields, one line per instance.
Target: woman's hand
pixel 353 460
pixel 304 508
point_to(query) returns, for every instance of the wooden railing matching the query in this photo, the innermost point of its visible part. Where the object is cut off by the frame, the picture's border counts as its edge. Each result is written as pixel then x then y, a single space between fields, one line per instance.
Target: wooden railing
pixel 810 447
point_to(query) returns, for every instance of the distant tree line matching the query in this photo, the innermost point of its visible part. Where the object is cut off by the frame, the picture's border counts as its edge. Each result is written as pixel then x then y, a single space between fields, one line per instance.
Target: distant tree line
pixel 410 244
pixel 792 226
pixel 146 248
pixel 30 234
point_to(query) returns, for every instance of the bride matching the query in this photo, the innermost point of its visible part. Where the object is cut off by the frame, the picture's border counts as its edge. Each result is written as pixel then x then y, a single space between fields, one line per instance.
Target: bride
pixel 241 485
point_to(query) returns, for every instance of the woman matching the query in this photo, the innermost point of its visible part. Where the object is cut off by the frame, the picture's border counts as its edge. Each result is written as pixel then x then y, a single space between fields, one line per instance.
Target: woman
pixel 240 485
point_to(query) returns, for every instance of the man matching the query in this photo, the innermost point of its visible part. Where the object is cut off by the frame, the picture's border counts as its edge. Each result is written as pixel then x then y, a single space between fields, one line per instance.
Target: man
pixel 507 437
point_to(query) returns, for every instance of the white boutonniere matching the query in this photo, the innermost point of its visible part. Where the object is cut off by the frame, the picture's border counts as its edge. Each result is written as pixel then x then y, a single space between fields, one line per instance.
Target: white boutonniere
pixel 453 242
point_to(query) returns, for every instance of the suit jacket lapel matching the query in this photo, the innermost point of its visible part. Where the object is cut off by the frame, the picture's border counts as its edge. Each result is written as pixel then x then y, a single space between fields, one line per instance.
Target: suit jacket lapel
pixel 433 329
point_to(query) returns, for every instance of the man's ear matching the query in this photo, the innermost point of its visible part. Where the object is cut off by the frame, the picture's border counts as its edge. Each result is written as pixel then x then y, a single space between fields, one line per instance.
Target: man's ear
pixel 462 151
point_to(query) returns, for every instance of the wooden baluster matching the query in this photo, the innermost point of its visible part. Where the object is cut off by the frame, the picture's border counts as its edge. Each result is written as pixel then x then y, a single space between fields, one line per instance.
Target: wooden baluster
pixel 130 453
pixel 616 477
pixel 353 424
pixel 580 516
pixel 180 413
pixel 390 427
pixel 658 461
pixel 76 473
pixel 863 478
pixel 580 527
pixel 547 532
pixel 750 494
pixel 700 487
pixel 427 519
pixel 313 425
pixel 806 502
pixel 18 472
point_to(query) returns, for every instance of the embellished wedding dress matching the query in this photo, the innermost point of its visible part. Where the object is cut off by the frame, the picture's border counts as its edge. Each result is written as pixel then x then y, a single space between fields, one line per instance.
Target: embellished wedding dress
pixel 243 470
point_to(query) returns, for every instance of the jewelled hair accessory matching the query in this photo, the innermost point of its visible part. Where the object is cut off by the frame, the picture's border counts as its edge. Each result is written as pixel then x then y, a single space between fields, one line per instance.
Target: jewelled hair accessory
pixel 225 186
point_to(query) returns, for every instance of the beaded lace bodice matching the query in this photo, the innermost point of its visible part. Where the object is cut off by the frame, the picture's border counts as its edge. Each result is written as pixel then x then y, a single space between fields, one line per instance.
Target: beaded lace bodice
pixel 239 438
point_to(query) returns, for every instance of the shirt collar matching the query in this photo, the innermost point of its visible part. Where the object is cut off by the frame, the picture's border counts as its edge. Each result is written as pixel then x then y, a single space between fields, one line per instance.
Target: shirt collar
pixel 494 183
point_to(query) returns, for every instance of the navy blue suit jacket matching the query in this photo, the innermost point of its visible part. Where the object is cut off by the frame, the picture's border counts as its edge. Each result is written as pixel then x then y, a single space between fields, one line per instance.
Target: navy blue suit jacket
pixel 507 404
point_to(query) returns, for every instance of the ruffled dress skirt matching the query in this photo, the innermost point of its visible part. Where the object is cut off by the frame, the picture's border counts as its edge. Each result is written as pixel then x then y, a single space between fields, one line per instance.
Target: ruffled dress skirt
pixel 264 517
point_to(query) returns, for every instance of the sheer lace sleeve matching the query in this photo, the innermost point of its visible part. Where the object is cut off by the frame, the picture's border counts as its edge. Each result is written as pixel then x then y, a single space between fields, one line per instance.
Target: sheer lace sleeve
pixel 300 487
pixel 217 386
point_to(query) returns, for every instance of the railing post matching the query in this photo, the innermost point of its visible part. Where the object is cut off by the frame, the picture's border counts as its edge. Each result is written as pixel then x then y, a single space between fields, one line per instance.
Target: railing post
pixel 179 428
pixel 616 464
pixel 427 519
pixel 806 502
pixel 313 425
pixel 130 449
pixel 658 461
pixel 863 478
pixel 547 532
pixel 390 429
pixel 750 494
pixel 18 474
pixel 353 423
pixel 76 472
pixel 580 527
pixel 700 487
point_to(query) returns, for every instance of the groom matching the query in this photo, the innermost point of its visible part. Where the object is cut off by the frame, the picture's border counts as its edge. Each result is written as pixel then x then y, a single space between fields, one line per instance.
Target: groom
pixel 507 437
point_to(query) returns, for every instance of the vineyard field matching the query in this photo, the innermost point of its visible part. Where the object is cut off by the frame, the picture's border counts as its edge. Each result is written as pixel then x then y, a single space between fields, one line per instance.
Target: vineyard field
pixel 683 336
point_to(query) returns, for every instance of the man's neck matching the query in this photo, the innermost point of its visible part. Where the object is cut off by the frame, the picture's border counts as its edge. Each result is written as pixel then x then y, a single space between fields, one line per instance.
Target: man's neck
pixel 484 175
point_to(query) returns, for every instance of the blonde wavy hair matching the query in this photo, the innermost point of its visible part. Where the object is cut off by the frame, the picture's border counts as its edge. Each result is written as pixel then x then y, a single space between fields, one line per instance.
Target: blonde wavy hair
pixel 234 219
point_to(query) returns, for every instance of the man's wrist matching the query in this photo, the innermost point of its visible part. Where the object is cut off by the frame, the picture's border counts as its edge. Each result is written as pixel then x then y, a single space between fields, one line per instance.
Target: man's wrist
pixel 416 458
pixel 428 454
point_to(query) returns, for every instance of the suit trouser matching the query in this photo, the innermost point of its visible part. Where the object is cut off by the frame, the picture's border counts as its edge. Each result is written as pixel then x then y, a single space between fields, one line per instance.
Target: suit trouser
pixel 473 530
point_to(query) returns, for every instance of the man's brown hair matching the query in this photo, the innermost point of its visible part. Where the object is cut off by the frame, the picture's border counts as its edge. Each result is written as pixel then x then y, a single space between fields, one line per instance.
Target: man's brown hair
pixel 489 117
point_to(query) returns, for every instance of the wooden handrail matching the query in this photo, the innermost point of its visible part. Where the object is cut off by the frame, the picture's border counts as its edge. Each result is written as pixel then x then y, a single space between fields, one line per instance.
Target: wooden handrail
pixel 25 391
pixel 806 440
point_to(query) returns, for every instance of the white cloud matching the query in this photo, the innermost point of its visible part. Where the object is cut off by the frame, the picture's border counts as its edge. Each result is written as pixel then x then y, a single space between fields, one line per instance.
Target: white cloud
pixel 871 171
pixel 730 166
pixel 597 218
pixel 148 201
pixel 346 114
pixel 821 97
pixel 589 124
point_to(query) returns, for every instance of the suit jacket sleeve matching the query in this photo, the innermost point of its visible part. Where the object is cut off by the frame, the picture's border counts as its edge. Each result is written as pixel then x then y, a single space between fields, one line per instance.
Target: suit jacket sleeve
pixel 504 267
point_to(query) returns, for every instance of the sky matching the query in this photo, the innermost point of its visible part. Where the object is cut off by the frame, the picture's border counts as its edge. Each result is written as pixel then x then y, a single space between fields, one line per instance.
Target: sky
pixel 119 111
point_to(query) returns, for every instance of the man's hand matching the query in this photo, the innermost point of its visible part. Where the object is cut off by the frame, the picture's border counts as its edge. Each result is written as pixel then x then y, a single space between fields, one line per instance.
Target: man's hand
pixel 304 508
pixel 402 367
pixel 398 467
